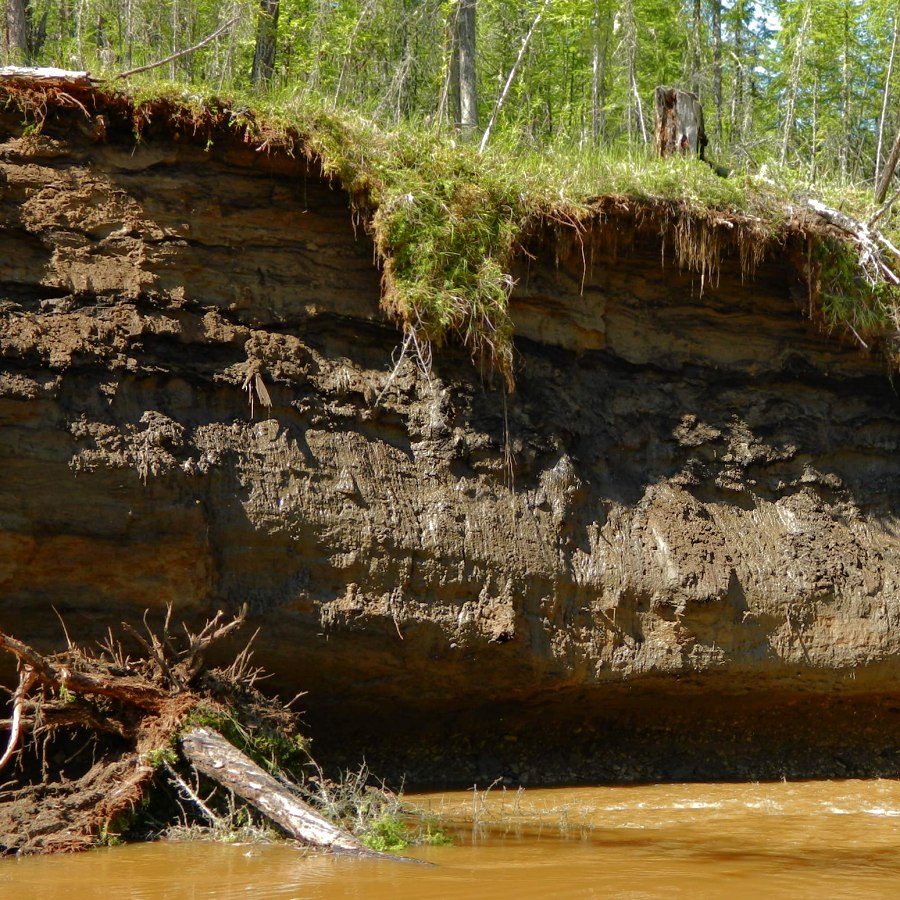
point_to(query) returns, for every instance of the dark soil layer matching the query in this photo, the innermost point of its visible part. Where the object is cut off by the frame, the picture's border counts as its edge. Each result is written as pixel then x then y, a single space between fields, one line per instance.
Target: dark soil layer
pixel 673 552
pixel 633 737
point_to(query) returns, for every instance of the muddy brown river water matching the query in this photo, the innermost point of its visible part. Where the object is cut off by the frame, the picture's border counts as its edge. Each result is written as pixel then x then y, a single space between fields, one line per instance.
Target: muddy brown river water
pixel 822 839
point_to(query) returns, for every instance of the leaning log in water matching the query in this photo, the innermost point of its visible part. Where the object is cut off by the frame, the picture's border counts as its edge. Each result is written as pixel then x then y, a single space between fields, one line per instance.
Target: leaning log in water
pixel 209 753
pixel 126 714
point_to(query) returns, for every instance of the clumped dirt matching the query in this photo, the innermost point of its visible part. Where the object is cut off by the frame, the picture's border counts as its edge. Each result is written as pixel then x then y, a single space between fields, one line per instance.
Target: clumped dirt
pixel 689 504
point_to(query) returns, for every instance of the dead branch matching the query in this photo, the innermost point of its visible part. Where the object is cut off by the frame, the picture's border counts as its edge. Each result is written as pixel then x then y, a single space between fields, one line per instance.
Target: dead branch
pixel 154 649
pixel 27 678
pixel 191 795
pixel 871 258
pixel 136 693
pixel 52 716
pixel 241 670
pixel 192 660
pixel 888 204
pixel 161 62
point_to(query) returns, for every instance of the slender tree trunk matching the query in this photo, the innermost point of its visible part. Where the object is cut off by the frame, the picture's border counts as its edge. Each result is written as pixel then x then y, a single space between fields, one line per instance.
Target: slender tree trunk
pixel 465 46
pixel 885 97
pixel 697 43
pixel 717 68
pixel 813 151
pixel 845 100
pixel 794 83
pixel 454 112
pixel 174 39
pixel 266 42
pixel 636 109
pixel 16 32
pixel 599 45
pixel 737 92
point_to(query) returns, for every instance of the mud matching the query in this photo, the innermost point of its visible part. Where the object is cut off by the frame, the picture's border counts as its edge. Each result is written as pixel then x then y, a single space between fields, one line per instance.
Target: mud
pixel 688 506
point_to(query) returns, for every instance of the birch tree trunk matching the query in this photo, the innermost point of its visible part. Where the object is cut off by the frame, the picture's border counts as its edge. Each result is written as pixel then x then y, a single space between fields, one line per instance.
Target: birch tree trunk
pixel 794 83
pixel 884 98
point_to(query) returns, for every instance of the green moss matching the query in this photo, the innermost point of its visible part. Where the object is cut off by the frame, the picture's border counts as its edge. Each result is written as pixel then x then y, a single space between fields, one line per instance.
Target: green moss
pixel 161 756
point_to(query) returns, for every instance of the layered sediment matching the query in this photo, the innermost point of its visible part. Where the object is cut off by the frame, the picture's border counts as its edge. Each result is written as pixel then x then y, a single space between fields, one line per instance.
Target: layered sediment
pixel 673 551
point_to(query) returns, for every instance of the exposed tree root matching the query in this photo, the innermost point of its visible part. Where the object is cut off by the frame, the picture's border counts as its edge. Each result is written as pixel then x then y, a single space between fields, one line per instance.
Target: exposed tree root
pixel 93 739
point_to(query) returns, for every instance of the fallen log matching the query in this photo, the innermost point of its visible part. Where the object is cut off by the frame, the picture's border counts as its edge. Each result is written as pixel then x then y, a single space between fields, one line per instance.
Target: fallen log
pixel 46 75
pixel 127 714
pixel 209 753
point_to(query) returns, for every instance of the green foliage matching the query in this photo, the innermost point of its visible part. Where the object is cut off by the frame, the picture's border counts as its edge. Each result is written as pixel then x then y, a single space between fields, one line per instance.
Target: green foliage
pixel 274 750
pixel 387 834
pixel 66 695
pixel 433 835
pixel 161 756
pixel 586 78
pixel 845 296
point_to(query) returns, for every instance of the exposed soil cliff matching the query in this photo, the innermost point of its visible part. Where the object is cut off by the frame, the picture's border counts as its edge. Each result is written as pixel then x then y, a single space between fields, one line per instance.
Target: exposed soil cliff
pixel 674 551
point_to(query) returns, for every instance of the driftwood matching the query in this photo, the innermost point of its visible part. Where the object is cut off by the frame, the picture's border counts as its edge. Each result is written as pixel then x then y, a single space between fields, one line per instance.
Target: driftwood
pixel 208 752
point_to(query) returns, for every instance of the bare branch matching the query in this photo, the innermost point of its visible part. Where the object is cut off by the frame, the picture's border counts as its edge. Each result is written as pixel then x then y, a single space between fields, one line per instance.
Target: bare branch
pixel 161 62
pixel 27 678
pixel 512 74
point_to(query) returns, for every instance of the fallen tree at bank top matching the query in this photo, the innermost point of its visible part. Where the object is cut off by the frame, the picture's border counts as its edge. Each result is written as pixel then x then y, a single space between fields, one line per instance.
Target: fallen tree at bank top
pixel 95 738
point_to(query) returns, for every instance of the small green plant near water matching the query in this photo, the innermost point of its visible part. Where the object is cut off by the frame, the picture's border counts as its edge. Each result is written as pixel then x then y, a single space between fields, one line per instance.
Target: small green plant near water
pixel 433 834
pixel 387 834
pixel 395 831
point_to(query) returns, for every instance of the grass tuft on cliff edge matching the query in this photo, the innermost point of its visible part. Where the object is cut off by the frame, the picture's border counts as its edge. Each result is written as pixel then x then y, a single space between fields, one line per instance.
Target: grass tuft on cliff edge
pixel 448 222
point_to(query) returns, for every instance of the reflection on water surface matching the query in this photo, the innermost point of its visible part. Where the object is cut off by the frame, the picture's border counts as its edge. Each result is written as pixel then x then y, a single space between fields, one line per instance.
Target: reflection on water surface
pixel 810 839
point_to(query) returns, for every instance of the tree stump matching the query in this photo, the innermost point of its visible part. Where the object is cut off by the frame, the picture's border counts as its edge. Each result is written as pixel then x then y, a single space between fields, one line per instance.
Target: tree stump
pixel 679 123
